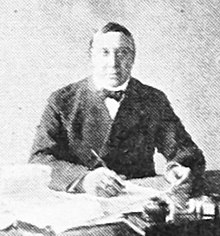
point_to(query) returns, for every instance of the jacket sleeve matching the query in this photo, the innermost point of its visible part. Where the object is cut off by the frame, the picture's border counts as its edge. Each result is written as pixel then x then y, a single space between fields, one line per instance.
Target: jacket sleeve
pixel 51 148
pixel 177 146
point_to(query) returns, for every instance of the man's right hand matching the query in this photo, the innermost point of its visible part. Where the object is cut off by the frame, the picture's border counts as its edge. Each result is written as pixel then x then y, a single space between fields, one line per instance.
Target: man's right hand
pixel 103 182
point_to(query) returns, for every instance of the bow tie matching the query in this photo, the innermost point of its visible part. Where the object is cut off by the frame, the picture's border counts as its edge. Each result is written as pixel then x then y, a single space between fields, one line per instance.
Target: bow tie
pixel 117 95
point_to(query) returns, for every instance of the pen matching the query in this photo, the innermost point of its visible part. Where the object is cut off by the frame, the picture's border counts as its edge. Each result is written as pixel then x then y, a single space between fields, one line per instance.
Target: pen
pixel 71 188
pixel 99 159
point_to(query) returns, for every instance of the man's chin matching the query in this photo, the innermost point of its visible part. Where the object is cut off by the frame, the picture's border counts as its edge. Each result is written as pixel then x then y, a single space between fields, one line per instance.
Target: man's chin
pixel 114 82
pixel 110 83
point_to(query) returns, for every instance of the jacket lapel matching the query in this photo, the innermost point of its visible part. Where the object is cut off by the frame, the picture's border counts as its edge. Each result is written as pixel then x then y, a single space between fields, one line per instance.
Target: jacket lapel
pixel 87 121
pixel 127 119
pixel 96 126
pixel 97 122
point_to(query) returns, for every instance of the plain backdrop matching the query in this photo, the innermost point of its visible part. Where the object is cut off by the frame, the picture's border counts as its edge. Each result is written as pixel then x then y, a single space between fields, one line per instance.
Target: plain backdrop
pixel 44 46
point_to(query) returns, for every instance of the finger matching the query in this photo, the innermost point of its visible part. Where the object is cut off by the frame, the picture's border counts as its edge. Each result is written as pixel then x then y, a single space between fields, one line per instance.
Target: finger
pixel 101 188
pixel 183 174
pixel 177 174
pixel 114 183
pixel 113 191
pixel 109 188
pixel 117 179
pixel 118 182
pixel 101 192
pixel 104 183
pixel 113 179
pixel 108 191
pixel 123 177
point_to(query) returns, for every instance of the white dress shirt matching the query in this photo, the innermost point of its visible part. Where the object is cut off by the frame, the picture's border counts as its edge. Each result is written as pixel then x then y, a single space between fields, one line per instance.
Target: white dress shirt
pixel 111 104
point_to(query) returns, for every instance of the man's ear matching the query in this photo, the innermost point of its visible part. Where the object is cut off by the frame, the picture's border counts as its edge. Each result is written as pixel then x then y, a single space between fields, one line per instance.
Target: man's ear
pixel 133 58
pixel 90 52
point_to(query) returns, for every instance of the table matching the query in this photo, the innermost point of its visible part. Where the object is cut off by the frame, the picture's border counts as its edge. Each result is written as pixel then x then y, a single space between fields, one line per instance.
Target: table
pixel 121 226
pixel 199 227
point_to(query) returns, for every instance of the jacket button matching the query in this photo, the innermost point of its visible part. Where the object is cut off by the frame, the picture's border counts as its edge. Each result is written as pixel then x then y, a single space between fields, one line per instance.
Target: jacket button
pixel 126 150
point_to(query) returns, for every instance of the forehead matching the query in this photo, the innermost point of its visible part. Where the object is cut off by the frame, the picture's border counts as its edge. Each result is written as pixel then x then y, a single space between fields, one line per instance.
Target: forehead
pixel 111 40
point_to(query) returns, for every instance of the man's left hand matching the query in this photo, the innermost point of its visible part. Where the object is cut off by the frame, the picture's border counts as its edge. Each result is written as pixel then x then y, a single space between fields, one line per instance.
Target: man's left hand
pixel 177 174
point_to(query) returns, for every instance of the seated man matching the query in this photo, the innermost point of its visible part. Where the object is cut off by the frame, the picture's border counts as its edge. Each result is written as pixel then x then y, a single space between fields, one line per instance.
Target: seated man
pixel 108 125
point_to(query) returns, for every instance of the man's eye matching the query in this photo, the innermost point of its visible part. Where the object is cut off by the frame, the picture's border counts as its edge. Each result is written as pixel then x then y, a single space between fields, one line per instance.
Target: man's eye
pixel 105 52
pixel 122 52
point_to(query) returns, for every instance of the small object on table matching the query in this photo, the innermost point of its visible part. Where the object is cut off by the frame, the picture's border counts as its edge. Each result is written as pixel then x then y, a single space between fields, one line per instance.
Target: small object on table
pixel 156 211
pixel 215 197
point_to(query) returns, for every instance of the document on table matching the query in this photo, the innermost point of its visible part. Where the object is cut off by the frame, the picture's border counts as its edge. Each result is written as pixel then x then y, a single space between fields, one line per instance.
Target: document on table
pixel 26 197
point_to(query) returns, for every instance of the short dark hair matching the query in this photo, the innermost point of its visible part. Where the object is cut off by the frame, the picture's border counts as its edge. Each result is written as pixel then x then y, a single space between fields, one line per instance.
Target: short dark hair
pixel 115 27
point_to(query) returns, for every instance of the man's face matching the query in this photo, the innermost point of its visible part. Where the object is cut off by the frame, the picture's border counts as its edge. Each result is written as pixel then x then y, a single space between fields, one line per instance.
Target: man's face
pixel 112 59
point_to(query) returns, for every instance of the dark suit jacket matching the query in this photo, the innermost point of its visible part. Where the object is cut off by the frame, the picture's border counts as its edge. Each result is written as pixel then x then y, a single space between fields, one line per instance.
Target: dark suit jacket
pixel 73 124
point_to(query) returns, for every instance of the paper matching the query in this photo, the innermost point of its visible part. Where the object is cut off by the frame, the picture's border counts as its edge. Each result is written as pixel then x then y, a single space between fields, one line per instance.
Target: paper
pixel 20 183
pixel 132 200
pixel 24 180
pixel 25 197
pixel 60 213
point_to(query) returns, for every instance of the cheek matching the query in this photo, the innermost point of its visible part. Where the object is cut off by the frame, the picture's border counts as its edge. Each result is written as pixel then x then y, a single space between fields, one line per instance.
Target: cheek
pixel 96 61
pixel 99 63
pixel 127 65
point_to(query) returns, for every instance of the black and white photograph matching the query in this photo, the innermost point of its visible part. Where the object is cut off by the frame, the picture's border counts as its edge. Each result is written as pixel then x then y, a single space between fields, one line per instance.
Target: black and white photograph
pixel 110 117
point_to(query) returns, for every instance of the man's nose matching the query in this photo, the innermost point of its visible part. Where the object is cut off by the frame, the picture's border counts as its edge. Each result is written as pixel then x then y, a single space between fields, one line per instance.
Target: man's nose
pixel 113 60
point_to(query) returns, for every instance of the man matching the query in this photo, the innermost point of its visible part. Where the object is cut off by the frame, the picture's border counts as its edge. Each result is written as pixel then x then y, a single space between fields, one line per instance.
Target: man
pixel 111 119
